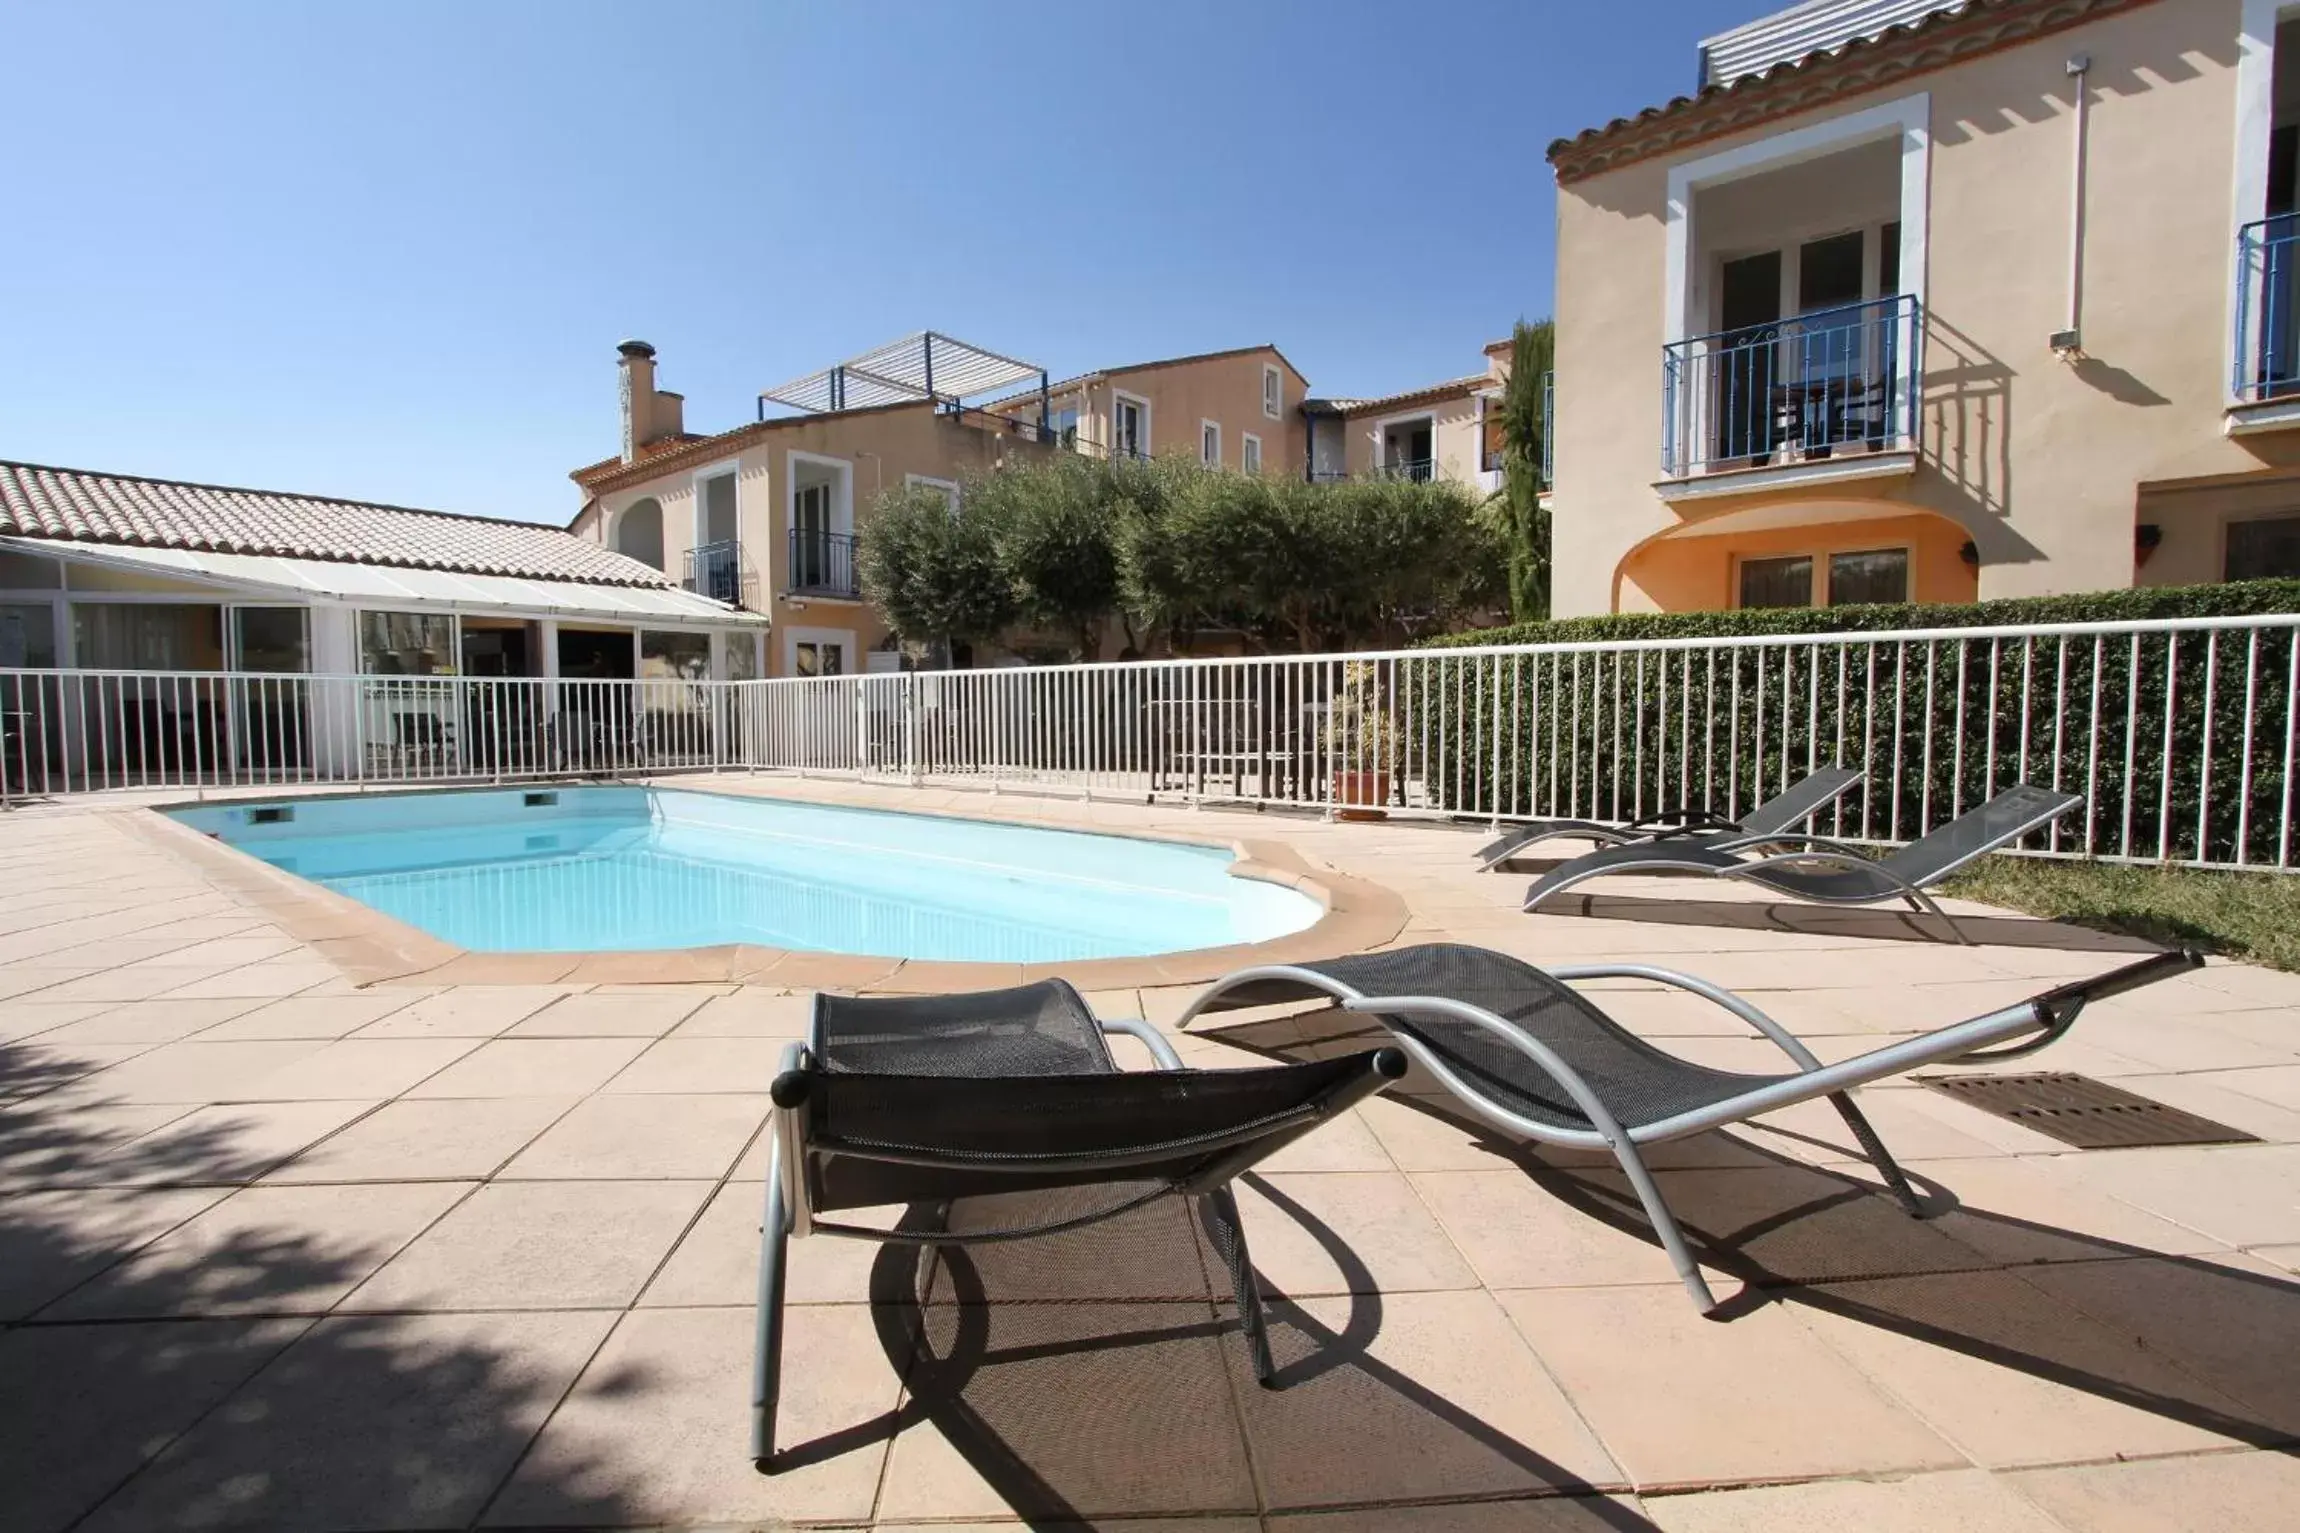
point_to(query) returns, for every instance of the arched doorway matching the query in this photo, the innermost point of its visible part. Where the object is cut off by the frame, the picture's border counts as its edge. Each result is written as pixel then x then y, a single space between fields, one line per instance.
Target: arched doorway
pixel 639 532
pixel 1799 554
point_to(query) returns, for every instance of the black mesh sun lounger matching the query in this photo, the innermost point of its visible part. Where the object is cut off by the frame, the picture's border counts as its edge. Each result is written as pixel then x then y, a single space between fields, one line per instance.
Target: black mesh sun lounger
pixel 1785 810
pixel 1532 1056
pixel 925 1099
pixel 1831 872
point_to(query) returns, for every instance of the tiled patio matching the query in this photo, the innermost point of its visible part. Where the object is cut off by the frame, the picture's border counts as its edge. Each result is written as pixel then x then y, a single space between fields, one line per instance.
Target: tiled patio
pixel 277 1251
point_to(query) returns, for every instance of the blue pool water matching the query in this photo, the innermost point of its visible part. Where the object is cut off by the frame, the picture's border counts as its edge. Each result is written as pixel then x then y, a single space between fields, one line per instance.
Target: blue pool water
pixel 615 869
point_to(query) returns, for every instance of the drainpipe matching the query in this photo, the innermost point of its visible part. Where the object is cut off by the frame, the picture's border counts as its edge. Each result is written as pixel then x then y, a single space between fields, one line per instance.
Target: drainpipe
pixel 2068 344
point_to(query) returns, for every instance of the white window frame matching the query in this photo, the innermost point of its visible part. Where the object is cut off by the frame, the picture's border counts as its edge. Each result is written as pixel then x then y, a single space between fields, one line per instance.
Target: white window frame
pixel 1118 397
pixel 1210 432
pixel 1250 453
pixel 731 468
pixel 1684 286
pixel 949 487
pixel 2255 120
pixel 847 639
pixel 1273 392
pixel 1820 594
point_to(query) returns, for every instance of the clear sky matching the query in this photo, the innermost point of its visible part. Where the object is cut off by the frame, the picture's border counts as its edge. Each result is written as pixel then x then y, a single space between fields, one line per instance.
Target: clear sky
pixel 386 250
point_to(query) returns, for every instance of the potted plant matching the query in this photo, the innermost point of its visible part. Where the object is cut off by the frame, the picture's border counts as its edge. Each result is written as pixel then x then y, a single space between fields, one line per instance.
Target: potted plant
pixel 1361 744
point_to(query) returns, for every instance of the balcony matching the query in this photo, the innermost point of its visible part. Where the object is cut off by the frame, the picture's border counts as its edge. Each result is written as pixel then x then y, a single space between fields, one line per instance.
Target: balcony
pixel 1826 395
pixel 716 570
pixel 823 564
pixel 2266 386
pixel 1417 470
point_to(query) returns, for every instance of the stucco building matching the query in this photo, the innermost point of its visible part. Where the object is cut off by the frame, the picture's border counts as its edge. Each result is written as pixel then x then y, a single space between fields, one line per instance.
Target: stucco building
pixel 1936 302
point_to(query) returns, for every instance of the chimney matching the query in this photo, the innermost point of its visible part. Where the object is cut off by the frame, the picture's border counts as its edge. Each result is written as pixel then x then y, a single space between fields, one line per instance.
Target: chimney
pixel 638 397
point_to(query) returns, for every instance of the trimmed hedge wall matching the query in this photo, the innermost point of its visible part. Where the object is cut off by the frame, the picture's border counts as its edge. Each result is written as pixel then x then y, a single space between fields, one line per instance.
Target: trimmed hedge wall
pixel 1938 724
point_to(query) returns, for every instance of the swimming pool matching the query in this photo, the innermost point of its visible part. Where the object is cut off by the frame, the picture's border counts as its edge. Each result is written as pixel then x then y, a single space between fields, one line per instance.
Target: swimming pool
pixel 621 869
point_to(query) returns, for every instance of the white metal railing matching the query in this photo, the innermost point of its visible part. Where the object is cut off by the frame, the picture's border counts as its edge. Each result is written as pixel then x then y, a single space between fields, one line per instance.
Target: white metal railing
pixel 2180 735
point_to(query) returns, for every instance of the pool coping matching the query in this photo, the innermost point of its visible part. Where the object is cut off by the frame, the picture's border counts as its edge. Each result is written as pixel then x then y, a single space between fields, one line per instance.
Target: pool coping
pixel 371 948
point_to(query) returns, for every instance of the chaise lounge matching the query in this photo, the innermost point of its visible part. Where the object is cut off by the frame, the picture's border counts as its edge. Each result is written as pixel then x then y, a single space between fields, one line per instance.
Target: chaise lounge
pixel 1535 1058
pixel 1785 810
pixel 1831 872
pixel 925 1099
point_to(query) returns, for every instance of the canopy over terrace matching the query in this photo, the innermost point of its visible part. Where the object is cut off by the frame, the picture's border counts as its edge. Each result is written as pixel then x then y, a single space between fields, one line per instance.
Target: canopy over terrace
pixel 926 367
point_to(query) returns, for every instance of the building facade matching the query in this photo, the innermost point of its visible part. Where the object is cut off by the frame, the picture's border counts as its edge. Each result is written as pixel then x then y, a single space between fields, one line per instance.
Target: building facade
pixel 1936 303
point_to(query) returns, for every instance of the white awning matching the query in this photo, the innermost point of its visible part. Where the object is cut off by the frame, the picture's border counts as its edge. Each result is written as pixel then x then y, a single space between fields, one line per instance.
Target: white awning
pixel 376 585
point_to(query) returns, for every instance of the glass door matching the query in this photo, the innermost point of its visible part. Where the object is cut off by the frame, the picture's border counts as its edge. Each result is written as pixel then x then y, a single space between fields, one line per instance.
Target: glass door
pixel 269 649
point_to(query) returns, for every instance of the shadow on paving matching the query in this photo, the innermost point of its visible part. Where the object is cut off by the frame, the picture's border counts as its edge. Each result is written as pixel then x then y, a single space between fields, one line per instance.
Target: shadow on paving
pixel 1101 1374
pixel 215 1395
pixel 2183 1338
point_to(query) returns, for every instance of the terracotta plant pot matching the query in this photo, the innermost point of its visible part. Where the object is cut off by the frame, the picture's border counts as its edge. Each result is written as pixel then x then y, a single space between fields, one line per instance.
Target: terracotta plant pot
pixel 1361 795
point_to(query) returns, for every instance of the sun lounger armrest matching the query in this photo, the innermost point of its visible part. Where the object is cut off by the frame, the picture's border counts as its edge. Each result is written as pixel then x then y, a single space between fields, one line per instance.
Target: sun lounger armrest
pixel 2057 1009
pixel 1593 1107
pixel 1146 1035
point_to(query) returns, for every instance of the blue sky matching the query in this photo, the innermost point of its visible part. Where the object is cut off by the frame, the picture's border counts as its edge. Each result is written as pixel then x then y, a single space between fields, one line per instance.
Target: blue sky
pixel 385 251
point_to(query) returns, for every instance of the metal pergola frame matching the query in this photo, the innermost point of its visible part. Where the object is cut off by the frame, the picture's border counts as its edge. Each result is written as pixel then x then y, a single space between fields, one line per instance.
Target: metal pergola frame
pixel 922 368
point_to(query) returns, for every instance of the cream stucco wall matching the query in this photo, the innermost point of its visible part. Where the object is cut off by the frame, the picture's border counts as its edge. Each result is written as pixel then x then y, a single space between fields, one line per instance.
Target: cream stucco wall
pixel 1453 438
pixel 2041 462
pixel 1224 389
pixel 878 448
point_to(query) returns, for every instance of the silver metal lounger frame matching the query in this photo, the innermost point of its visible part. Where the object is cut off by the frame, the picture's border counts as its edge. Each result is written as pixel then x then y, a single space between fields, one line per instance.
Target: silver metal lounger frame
pixel 1606 1132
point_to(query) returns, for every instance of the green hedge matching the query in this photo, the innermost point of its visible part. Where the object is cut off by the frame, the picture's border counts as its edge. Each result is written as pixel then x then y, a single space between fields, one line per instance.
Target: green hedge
pixel 1613 733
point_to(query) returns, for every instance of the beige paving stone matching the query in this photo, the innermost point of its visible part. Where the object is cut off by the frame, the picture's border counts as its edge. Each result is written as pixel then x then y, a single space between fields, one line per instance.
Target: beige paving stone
pixel 403 1421
pixel 644 1136
pixel 356 1067
pixel 225 1142
pixel 547 1067
pixel 463 1011
pixel 751 1011
pixel 717 1262
pixel 309 1016
pixel 265 1250
pixel 1437 1397
pixel 234 951
pixel 30 1018
pixel 193 1071
pixel 58 1240
pixel 138 983
pixel 1158 1384
pixel 2226 1493
pixel 654 1431
pixel 2241 1195
pixel 2012 1376
pixel 2039 1208
pixel 269 978
pixel 41 1148
pixel 648 1013
pixel 699 1065
pixel 538 1245
pixel 107 1398
pixel 1533 1514
pixel 1967 1500
pixel 1680 1400
pixel 449 1138
pixel 1518 1233
pixel 1346 1232
pixel 157 1021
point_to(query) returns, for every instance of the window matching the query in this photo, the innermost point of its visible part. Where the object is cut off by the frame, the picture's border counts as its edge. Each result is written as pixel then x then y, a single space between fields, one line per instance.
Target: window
pixel 1491 439
pixel 1829 272
pixel 1273 392
pixel 1777 582
pixel 270 639
pixel 27 634
pixel 674 655
pixel 2263 550
pixel 1250 453
pixel 1209 444
pixel 948 488
pixel 716 507
pixel 1062 423
pixel 742 655
pixel 1130 427
pixel 1876 575
pixel 406 644
pixel 147 636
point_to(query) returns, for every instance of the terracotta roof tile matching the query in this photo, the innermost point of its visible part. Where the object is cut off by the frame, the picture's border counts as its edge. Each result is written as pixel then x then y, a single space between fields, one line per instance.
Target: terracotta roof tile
pixel 42 502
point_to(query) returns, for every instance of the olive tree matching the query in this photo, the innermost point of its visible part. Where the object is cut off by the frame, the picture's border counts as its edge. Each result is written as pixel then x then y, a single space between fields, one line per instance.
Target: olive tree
pixel 933 567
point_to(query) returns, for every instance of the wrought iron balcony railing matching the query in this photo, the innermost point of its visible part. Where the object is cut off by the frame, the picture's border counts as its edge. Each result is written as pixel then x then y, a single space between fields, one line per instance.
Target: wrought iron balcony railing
pixel 1835 380
pixel 2268 309
pixel 823 563
pixel 716 570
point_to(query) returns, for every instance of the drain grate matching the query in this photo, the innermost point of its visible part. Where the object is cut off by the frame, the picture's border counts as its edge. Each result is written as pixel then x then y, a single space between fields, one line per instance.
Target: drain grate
pixel 2077 1110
